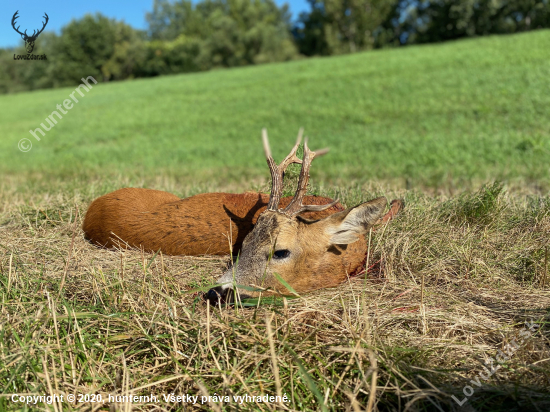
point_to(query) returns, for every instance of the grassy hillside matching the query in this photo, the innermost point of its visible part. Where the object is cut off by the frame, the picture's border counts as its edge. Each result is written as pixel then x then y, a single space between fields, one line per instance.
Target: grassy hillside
pixel 436 115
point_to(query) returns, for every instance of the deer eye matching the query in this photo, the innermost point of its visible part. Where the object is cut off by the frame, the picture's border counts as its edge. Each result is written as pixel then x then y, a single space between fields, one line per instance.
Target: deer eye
pixel 281 254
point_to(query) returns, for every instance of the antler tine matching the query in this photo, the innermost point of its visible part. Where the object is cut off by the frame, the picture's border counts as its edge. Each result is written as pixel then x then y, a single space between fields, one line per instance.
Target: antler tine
pixel 300 134
pixel 43 24
pixel 265 141
pixel 273 171
pixel 277 171
pixel 15 17
pixel 322 152
pixel 295 206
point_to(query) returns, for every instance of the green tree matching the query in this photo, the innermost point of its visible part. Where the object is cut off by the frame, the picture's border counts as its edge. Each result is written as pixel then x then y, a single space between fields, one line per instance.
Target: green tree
pixel 183 54
pixel 228 32
pixel 341 26
pixel 441 20
pixel 95 46
pixel 169 20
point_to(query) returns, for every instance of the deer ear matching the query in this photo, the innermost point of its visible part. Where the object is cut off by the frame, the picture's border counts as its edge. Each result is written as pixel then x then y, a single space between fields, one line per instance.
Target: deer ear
pixel 347 226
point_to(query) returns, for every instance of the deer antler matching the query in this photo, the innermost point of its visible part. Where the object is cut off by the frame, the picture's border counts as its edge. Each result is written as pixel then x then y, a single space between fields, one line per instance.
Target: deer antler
pixel 277 171
pixel 34 33
pixel 43 26
pixel 15 16
pixel 295 206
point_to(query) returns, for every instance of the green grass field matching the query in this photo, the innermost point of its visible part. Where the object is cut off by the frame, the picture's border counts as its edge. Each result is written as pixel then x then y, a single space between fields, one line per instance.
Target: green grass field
pixel 450 283
pixel 438 116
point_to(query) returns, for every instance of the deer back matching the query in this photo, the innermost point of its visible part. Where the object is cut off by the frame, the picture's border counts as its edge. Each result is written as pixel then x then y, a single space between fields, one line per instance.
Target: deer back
pixel 210 223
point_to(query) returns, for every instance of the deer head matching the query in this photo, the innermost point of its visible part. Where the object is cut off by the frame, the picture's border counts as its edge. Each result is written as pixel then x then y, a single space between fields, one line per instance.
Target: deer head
pixel 306 254
pixel 29 40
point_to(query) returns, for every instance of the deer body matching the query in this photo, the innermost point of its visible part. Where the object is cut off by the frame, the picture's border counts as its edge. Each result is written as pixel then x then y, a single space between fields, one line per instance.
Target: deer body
pixel 202 224
pixel 310 242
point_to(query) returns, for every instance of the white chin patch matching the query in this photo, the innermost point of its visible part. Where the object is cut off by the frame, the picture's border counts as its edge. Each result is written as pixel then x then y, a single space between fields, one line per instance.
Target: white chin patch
pixel 226 280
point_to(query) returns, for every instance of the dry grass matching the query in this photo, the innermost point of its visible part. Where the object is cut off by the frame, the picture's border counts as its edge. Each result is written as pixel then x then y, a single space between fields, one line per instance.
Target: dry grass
pixel 451 282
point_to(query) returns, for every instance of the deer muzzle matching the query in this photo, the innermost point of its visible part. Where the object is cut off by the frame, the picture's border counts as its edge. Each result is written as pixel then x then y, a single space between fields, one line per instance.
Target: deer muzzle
pixel 220 295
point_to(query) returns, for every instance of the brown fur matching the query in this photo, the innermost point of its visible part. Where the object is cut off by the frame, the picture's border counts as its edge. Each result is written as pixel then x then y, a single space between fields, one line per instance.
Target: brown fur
pixel 201 224
pixel 321 253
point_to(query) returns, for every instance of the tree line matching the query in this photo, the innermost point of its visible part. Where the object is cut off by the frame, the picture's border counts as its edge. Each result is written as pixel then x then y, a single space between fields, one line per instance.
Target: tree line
pixel 183 36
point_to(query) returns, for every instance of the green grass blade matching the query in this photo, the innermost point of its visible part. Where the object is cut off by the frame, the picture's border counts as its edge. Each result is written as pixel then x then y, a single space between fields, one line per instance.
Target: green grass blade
pixel 308 380
pixel 285 284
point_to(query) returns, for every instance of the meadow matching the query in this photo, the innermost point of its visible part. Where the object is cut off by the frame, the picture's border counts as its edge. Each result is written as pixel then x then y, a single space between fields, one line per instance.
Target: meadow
pixel 439 116
pixel 458 130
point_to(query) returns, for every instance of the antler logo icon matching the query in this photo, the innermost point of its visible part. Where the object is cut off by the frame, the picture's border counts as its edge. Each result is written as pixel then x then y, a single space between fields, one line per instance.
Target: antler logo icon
pixel 29 40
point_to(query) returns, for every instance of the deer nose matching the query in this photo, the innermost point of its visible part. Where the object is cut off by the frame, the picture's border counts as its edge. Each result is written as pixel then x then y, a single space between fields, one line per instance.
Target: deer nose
pixel 216 295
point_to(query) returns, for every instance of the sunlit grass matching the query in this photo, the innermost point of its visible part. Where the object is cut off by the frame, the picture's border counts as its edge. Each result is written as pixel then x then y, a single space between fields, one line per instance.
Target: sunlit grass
pixel 441 116
pixel 451 281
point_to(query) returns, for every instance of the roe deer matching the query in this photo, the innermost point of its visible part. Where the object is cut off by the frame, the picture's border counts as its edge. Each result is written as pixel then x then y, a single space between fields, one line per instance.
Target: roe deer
pixel 306 253
pixel 202 224
pixel 209 223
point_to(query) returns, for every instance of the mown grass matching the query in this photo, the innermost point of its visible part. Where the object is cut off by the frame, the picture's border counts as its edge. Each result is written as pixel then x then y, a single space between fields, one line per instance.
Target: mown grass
pixel 451 282
pixel 440 116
